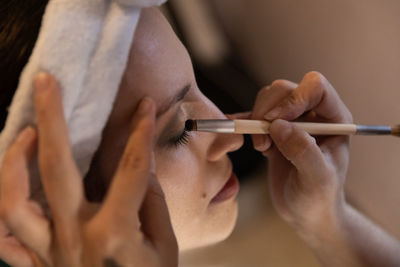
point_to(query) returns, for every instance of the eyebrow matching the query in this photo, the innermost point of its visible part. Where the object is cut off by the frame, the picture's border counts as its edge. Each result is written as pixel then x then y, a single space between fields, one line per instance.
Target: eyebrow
pixel 175 99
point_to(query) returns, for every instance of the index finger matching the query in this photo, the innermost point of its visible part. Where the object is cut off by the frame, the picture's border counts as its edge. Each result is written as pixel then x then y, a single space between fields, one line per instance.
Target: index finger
pixel 313 93
pixel 60 176
pixel 130 182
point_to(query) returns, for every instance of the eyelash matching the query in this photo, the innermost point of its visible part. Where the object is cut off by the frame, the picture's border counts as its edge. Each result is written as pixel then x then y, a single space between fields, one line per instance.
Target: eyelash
pixel 182 140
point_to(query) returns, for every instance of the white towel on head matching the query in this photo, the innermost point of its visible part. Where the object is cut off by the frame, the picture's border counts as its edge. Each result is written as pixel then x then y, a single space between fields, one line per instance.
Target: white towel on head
pixel 85 44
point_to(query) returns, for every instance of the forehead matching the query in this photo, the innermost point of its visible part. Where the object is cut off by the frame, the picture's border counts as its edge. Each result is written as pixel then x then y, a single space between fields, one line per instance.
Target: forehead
pixel 158 65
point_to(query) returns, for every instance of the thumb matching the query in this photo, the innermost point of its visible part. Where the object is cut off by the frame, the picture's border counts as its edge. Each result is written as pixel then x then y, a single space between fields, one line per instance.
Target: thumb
pixel 300 149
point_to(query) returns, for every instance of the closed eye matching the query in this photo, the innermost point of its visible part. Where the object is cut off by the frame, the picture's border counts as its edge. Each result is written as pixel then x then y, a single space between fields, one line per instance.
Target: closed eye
pixel 182 139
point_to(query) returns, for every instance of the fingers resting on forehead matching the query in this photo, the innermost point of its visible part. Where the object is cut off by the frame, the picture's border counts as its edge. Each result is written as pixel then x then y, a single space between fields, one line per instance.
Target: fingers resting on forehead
pixel 60 176
pixel 130 182
pixel 131 206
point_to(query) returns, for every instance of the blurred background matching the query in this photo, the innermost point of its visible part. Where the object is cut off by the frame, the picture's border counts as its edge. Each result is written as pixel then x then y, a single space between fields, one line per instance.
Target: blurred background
pixel 238 46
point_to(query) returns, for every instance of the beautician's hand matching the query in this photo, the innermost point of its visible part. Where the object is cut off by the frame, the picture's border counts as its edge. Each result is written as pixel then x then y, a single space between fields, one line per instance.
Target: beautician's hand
pixel 130 228
pixel 307 175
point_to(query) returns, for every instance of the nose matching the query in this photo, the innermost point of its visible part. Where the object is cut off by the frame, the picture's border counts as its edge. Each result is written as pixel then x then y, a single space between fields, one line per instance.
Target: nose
pixel 223 144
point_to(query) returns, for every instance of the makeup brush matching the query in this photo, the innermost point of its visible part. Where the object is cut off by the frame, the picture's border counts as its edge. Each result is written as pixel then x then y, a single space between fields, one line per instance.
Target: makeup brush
pixel 262 127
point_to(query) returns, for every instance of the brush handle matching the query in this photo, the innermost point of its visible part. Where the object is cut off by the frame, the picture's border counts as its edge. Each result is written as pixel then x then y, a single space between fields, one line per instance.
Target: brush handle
pixel 262 127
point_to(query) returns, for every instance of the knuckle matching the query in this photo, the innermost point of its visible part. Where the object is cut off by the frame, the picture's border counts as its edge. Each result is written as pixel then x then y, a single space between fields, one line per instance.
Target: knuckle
pixel 299 144
pixel 280 84
pixel 294 105
pixel 276 86
pixel 284 86
pixel 302 148
pixel 294 98
pixel 315 79
pixel 263 90
pixel 134 160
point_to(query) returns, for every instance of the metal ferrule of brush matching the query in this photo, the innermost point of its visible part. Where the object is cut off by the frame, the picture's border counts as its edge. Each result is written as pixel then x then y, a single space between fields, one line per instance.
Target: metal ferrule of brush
pixel 216 126
pixel 373 130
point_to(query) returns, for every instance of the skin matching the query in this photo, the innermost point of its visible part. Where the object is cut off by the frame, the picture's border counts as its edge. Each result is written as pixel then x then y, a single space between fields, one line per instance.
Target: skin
pixel 159 67
pixel 306 174
pixel 130 228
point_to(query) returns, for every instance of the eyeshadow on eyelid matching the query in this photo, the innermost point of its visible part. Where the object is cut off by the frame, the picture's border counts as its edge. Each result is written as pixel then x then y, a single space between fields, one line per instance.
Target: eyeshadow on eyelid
pixel 172 128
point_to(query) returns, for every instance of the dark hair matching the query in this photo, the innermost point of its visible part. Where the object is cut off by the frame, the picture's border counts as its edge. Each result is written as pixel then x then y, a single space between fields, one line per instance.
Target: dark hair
pixel 20 22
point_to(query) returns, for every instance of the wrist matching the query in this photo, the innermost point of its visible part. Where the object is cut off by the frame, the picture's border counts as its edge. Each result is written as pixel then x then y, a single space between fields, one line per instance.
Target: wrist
pixel 329 237
pixel 325 224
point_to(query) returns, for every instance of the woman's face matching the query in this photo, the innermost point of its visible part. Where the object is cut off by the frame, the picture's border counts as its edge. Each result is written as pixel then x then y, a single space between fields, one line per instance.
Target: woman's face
pixel 193 167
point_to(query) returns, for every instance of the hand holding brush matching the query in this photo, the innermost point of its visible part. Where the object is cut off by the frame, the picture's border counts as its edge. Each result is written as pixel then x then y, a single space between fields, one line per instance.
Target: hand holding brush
pixel 306 174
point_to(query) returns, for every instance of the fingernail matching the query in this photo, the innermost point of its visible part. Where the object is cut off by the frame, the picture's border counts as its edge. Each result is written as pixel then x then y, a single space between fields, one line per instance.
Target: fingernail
pixel 273 114
pixel 266 143
pixel 257 142
pixel 42 81
pixel 261 143
pixel 145 105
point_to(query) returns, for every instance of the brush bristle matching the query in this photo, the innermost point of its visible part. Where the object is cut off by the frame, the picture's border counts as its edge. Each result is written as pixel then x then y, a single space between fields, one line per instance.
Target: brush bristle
pixel 191 125
pixel 396 130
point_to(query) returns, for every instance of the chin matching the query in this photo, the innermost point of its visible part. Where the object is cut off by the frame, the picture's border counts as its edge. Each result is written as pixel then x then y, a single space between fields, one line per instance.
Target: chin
pixel 217 225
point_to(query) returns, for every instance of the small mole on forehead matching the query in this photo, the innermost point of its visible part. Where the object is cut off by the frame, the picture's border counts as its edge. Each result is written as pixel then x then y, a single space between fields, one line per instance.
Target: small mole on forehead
pixel 204 195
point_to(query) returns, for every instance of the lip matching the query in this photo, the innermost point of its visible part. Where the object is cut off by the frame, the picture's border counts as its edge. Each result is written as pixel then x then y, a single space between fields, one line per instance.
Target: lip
pixel 230 189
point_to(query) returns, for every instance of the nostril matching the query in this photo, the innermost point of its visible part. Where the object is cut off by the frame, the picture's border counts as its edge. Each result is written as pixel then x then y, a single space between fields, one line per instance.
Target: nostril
pixel 223 144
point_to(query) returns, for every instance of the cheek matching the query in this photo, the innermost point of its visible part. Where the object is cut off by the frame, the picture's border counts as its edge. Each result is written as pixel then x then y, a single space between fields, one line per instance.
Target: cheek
pixel 180 174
